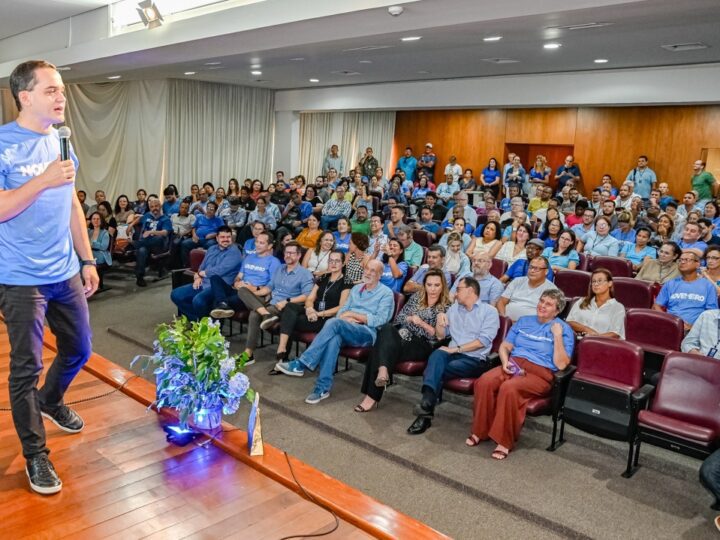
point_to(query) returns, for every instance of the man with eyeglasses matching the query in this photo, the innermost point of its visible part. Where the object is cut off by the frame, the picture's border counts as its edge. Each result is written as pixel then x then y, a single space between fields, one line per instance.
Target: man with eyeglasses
pixel 523 294
pixel 689 295
pixel 587 225
pixel 490 287
pixel 435 261
pixel 690 240
pixel 369 306
pixel 519 268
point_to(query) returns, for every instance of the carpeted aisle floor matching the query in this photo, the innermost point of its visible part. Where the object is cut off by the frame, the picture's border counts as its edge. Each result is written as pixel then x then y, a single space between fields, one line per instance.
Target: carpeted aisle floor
pixel 575 492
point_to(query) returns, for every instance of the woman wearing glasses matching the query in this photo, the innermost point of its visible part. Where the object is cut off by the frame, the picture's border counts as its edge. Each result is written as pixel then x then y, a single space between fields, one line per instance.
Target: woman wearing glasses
pixel 598 314
pixel 711 271
pixel 599 242
pixel 323 302
pixel 665 267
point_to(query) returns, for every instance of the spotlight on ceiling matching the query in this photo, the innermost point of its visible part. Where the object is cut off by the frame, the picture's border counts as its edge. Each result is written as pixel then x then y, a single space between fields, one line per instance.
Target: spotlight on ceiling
pixel 149 14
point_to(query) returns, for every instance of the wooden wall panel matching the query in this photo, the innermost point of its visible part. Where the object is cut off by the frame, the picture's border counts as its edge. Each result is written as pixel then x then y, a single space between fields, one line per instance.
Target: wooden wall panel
pixel 541 126
pixel 606 139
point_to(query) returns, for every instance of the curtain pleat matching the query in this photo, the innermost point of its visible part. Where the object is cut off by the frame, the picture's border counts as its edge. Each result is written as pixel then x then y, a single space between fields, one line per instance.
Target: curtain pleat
pixel 315 137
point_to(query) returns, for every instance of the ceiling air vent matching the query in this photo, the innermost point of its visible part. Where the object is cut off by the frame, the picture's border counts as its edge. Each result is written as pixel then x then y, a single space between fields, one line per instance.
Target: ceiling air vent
pixel 368 48
pixel 581 26
pixel 677 47
pixel 500 60
pixel 345 72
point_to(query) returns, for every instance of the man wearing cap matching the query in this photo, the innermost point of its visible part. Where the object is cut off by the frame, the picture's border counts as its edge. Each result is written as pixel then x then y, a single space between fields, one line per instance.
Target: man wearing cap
pixel 519 268
pixel 426 163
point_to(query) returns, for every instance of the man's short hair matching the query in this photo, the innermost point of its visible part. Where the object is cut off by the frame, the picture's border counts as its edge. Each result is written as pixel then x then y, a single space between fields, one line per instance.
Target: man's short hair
pixel 268 235
pixel 234 201
pixel 673 204
pixel 471 282
pixel 169 191
pixel 293 243
pixel 431 194
pixel 23 78
pixel 214 204
pixel 438 248
pixel 224 228
pixel 361 240
pixel 405 229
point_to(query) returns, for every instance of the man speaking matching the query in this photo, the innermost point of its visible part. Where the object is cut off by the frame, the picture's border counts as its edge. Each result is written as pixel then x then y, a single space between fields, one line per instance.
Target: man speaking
pixel 42 225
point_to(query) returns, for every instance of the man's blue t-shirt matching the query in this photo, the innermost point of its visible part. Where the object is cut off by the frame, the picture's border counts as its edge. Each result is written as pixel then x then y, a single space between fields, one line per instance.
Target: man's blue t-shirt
pixel 258 270
pixel 520 269
pixel 169 208
pixel 688 299
pixel 149 223
pixel 36 245
pixel 205 225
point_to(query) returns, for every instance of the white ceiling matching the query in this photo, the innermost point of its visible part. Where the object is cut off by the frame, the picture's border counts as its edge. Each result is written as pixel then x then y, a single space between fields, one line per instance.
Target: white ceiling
pixel 451 44
pixel 19 16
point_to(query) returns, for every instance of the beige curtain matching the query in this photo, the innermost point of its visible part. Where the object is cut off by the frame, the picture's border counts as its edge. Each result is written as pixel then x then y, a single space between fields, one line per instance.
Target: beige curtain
pixel 363 129
pixel 315 137
pixel 118 135
pixel 218 131
pixel 8 111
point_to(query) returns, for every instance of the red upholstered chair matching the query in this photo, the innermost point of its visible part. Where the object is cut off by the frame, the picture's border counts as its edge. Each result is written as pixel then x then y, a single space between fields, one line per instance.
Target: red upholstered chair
pixel 498 268
pixel 465 385
pixel 424 238
pixel 633 293
pixel 361 353
pixel 603 395
pixel 618 267
pixel 584 262
pixel 572 282
pixel 425 254
pixel 184 276
pixel 683 415
pixel 657 332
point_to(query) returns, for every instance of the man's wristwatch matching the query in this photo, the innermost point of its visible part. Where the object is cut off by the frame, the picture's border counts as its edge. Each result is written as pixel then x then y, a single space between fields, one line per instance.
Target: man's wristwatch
pixel 459 349
pixel 88 262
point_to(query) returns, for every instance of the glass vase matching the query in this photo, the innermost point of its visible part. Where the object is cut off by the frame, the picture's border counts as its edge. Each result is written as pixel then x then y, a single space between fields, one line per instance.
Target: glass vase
pixel 208 419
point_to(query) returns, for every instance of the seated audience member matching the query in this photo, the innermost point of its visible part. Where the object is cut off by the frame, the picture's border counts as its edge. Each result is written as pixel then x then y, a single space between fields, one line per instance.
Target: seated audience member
pixel 296 213
pixel 691 239
pixel 395 268
pixel 342 235
pixel 357 258
pixel 234 215
pixel 599 242
pixel 222 262
pixel 198 207
pixel 290 284
pixel 689 295
pixel 397 220
pixel 394 192
pixel 369 306
pixel 689 204
pixel 155 232
pixel 664 231
pixel 712 212
pixel 568 206
pixel 489 242
pixel 203 233
pixel 249 244
pixel 471 326
pixel 172 203
pixel 456 262
pixel 335 208
pixel 576 218
pixel 411 336
pixel 123 210
pixel 426 223
pixel 466 211
pixel 283 239
pixel 364 197
pixel 563 255
pixel 516 211
pixel 707 234
pixel 458 226
pixel 598 314
pixel 308 237
pixel 711 270
pixel 551 232
pixel 514 249
pixel 99 197
pixel 446 190
pixel 327 296
pixel 256 189
pixel 360 222
pixel 100 244
pixel 262 214
pixel 435 261
pixel 278 195
pixel 625 232
pixel 140 206
pixel 377 238
pixel 413 252
pixel 704 336
pixel 551 212
pixel 467 182
pixel 490 287
pixel 521 296
pixel 519 268
pixel 665 267
pixel 638 252
pixel 316 259
pixel 256 271
pixel 541 200
pixel 82 197
pixel 106 212
pixel 314 200
pixel 246 202
pixel 536 346
pixel 437 208
pixel 512 192
pixel 456 215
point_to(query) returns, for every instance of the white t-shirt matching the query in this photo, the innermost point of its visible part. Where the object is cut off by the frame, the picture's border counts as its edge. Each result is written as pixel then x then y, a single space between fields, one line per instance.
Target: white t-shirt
pixel 523 298
pixel 455 170
pixel 610 317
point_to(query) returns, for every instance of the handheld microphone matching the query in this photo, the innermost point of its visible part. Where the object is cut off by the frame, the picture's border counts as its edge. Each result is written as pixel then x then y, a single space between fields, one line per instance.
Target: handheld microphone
pixel 64 133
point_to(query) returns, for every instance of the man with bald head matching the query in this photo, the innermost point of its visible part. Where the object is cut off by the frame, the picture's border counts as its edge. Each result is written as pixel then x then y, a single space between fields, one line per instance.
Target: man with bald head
pixel 369 306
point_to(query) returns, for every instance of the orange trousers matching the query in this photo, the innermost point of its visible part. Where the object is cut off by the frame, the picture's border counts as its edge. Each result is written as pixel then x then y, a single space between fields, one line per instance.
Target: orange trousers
pixel 501 400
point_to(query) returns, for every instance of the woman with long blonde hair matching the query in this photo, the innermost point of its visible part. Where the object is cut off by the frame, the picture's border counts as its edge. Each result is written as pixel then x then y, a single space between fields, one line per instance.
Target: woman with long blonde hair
pixel 539 174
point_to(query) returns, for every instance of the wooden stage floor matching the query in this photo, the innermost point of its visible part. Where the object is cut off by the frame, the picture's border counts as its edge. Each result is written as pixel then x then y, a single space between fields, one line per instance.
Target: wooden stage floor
pixel 123 480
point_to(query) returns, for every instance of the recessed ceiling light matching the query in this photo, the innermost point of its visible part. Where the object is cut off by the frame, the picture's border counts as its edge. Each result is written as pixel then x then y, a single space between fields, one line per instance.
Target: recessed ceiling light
pixel 213 63
pixel 552 45
pixel 423 72
pixel 365 61
pixel 255 66
pixel 492 38
pixel 113 77
pixel 256 72
pixel 411 38
pixel 297 59
pixel 601 60
pixel 314 80
pixel 216 67
pixel 189 73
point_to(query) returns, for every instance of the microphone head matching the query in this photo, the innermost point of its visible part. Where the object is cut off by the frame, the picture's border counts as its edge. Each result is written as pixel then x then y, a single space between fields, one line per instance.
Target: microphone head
pixel 64 132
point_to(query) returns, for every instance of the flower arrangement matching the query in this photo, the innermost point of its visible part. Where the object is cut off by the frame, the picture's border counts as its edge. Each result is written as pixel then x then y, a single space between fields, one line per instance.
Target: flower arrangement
pixel 195 371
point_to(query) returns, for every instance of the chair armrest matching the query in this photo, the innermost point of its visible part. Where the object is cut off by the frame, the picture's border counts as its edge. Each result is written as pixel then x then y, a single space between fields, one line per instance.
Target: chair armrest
pixel 641 397
pixel 493 359
pixel 559 388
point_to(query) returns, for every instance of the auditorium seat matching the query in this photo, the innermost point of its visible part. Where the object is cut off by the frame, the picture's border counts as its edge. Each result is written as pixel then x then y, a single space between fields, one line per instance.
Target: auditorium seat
pixel 498 268
pixel 603 395
pixel 683 416
pixel 572 282
pixel 618 267
pixel 584 262
pixel 633 293
pixel 184 276
pixel 657 333
pixel 424 238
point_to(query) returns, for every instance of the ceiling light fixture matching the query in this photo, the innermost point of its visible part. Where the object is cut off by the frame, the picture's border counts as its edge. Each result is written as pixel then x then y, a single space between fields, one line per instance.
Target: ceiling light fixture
pixel 213 63
pixel 492 38
pixel 365 62
pixel 411 38
pixel 601 60
pixel 297 59
pixel 190 73
pixel 552 46
pixel 114 77
pixel 256 72
pixel 314 80
pixel 255 66
pixel 149 14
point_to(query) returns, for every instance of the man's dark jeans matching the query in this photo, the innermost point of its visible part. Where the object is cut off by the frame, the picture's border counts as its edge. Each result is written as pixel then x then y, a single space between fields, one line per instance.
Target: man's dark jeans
pixel 25 309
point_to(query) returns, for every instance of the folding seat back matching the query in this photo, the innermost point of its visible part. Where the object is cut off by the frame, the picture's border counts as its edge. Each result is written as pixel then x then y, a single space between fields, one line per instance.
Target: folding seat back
pixel 618 267
pixel 498 268
pixel 633 293
pixel 657 332
pixel 423 238
pixel 584 262
pixel 196 258
pixel 572 282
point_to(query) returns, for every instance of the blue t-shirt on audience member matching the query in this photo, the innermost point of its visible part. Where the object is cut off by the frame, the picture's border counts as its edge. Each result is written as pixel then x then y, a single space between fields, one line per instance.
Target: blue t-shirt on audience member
pixel 149 223
pixel 342 243
pixel 258 271
pixel 637 258
pixel 249 247
pixel 36 244
pixel 394 283
pixel 169 208
pixel 534 341
pixel 431 227
pixel 687 299
pixel 520 269
pixel 490 175
pixel 205 225
pixel 699 245
pixel 562 261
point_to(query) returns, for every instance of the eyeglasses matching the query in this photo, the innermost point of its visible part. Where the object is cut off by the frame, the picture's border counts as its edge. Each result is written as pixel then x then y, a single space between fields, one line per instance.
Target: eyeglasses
pixel 686 260
pixel 598 281
pixel 538 268
pixel 712 258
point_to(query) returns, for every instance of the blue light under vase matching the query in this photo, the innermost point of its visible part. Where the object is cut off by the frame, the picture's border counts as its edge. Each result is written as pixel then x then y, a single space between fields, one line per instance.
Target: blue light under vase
pixel 208 419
